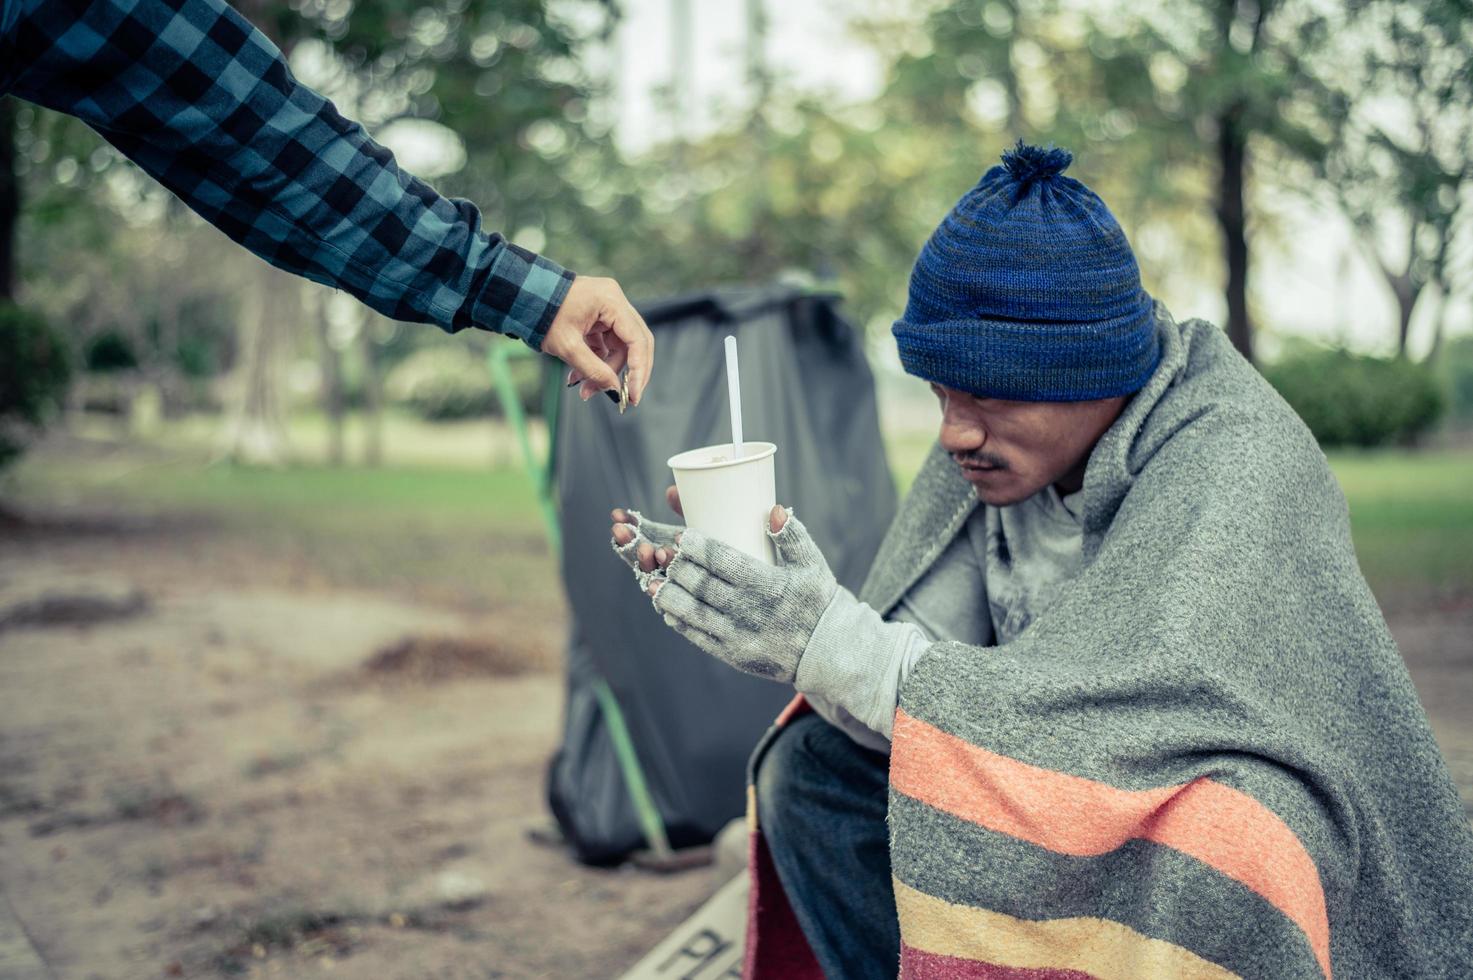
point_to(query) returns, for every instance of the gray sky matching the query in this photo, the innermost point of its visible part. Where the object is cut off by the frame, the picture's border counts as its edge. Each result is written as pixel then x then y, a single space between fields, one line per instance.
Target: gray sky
pixel 808 42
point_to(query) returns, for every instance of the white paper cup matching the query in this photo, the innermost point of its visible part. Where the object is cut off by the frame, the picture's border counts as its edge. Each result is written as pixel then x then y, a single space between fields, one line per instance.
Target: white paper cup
pixel 729 499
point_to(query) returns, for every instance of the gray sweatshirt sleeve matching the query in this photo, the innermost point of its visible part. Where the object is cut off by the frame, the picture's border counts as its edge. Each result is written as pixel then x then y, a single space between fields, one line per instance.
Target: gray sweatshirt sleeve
pixel 857 661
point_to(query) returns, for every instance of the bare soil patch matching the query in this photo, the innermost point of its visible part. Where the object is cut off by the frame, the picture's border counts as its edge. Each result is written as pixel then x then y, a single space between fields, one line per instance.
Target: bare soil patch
pixel 438 658
pixel 264 772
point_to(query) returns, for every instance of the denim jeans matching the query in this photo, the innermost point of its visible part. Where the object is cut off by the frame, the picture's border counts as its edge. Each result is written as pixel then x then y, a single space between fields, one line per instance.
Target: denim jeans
pixel 821 802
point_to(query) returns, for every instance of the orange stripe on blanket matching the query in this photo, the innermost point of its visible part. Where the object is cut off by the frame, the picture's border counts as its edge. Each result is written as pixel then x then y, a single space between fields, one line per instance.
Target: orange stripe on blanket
pixel 1222 827
pixel 1093 947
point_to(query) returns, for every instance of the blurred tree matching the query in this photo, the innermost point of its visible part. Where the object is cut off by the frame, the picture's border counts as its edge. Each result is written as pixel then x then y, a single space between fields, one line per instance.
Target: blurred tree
pixel 1162 102
pixel 964 82
pixel 330 362
pixel 9 199
pixel 255 426
pixel 373 398
pixel 505 77
pixel 34 372
pixel 1206 79
pixel 1167 107
pixel 501 75
pixel 1400 158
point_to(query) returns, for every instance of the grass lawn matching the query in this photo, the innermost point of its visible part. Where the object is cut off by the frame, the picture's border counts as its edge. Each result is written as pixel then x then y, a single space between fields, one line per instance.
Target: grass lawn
pixel 471 536
pixel 345 498
pixel 1412 518
pixel 416 525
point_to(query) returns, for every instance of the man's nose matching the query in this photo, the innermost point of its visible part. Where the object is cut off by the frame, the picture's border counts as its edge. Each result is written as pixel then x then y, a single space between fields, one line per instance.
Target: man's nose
pixel 960 434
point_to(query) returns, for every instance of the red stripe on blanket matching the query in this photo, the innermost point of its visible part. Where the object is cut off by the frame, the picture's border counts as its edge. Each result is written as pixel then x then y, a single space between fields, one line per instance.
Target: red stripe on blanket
pixel 776 948
pixel 917 964
pixel 1222 827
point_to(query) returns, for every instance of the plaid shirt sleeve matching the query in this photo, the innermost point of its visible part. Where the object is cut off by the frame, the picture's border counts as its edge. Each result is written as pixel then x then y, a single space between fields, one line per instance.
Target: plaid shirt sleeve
pixel 205 103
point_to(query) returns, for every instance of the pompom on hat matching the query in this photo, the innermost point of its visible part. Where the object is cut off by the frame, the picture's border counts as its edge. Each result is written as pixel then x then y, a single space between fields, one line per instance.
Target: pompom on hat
pixel 1029 291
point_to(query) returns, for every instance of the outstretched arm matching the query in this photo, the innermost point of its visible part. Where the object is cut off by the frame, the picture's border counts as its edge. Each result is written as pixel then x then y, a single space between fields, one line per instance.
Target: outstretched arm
pixel 205 103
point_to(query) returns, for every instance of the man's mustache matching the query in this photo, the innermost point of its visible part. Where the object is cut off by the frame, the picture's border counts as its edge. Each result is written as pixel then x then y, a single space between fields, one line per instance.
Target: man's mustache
pixel 980 458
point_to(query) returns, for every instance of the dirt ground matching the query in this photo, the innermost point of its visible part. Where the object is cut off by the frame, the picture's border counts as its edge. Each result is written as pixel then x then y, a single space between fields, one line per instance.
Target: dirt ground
pixel 212 763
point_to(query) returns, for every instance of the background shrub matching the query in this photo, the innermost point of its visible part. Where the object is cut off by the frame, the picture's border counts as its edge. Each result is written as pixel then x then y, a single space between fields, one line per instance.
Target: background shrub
pixel 1351 400
pixel 446 382
pixel 1456 368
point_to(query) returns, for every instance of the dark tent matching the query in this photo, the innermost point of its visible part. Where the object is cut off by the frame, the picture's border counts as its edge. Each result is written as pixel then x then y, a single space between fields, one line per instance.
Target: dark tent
pixel 656 733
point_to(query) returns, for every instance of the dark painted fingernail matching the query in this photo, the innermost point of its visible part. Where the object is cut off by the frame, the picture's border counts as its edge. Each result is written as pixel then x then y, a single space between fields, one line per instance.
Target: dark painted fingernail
pixel 613 395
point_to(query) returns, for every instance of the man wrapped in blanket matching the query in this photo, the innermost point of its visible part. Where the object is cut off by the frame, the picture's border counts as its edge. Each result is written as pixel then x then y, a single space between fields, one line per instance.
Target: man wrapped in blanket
pixel 1115 700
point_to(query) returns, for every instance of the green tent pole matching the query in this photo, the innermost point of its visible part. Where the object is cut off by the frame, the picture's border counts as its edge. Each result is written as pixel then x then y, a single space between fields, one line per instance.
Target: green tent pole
pixel 498 359
pixel 650 822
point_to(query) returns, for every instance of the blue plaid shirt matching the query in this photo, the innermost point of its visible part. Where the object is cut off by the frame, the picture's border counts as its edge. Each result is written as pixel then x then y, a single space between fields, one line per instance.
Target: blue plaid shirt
pixel 204 102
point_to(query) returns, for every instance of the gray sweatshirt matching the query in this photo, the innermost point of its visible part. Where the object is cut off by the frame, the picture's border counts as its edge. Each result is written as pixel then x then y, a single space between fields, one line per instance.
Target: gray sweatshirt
pixel 1005 567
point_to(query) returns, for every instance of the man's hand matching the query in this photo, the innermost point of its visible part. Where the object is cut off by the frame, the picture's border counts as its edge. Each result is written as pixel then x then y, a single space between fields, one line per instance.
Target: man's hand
pixel 596 333
pixel 757 618
pixel 793 623
pixel 645 545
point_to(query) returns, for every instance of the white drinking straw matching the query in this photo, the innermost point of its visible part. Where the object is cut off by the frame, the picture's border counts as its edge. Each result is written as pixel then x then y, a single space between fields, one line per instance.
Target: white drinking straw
pixel 734 392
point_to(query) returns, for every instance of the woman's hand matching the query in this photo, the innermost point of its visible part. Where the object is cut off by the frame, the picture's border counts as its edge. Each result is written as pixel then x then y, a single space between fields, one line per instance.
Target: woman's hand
pixel 597 333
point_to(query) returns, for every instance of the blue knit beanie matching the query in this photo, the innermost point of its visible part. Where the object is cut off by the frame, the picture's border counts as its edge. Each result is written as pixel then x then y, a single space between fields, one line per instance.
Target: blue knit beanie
pixel 1028 291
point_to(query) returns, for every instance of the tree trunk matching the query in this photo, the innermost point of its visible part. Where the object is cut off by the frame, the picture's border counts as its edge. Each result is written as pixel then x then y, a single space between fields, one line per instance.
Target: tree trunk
pixel 330 363
pixel 1406 302
pixel 373 397
pixel 1406 293
pixel 759 74
pixel 1232 152
pixel 1434 353
pixel 1441 280
pixel 1439 323
pixel 9 199
pixel 257 432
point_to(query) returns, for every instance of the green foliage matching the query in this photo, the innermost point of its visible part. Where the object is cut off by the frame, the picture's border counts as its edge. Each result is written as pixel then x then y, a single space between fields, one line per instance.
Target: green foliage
pixel 34 373
pixel 506 76
pixel 1350 400
pixel 204 351
pixel 110 351
pixel 848 194
pixel 844 194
